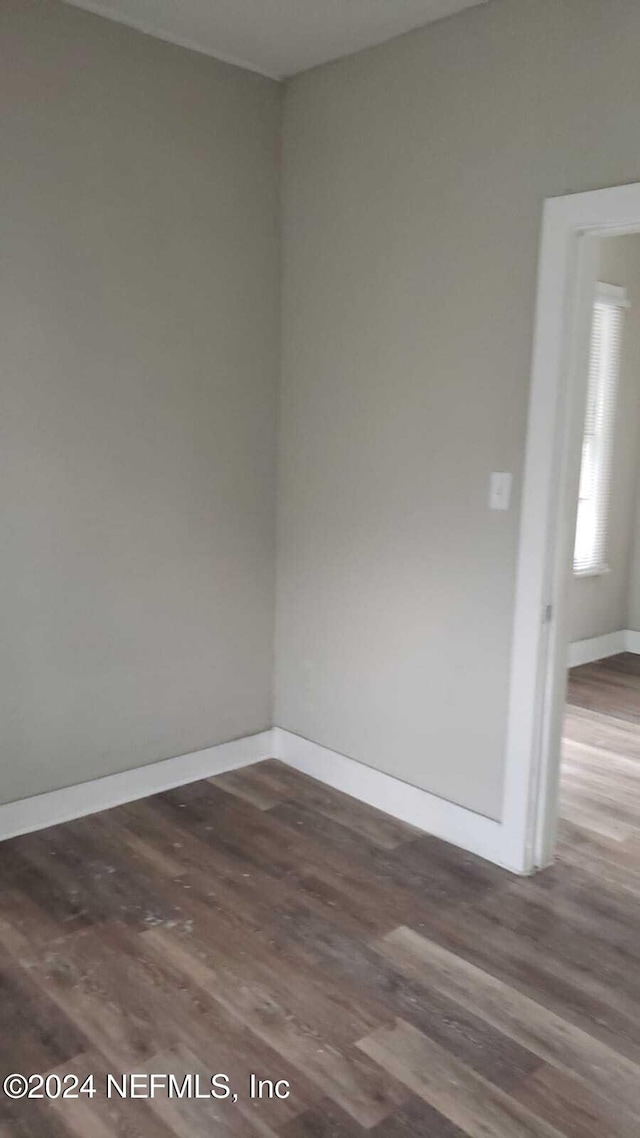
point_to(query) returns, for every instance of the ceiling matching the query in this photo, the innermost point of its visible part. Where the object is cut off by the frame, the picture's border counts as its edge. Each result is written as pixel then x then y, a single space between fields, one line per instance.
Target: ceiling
pixel 276 37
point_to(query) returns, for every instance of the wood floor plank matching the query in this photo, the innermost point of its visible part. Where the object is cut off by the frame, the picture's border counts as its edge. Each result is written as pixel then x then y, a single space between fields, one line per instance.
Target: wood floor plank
pixel 589 1000
pixel 470 1102
pixel 607 686
pixel 516 1015
pixel 564 919
pixel 326 1121
pixel 373 978
pixel 380 829
pixel 399 881
pixel 35 1035
pixel 34 1119
pixel 244 894
pixel 194 1117
pixel 338 1071
pixel 617 877
pixel 593 732
pixel 85 876
pixel 417 1119
pixel 573 1106
pixel 275 778
pixel 250 785
pixel 260 839
pixel 101 1117
pixel 129 1005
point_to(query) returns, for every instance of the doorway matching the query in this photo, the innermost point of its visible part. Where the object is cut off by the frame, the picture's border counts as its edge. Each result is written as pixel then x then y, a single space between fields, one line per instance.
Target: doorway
pixel 599 801
pixel 573 229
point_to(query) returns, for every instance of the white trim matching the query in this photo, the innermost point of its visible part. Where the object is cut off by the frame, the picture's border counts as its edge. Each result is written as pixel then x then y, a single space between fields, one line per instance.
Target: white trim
pixel 445 820
pixel 612 294
pixel 597 648
pixel 99 8
pixel 539 646
pixel 436 816
pixel 57 806
pixel 632 641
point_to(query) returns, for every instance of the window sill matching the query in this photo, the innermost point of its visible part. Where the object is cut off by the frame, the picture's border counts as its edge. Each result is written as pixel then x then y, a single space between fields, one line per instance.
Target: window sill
pixel 597 571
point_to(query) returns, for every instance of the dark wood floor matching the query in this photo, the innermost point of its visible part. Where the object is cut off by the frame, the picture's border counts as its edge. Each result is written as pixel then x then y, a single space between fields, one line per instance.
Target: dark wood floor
pixel 262 923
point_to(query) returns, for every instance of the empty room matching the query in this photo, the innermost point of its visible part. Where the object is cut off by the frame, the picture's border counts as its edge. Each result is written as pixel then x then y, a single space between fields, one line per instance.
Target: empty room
pixel 320 586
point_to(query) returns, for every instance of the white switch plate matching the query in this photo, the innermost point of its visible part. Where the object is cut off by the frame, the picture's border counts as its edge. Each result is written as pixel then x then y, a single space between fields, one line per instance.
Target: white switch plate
pixel 500 490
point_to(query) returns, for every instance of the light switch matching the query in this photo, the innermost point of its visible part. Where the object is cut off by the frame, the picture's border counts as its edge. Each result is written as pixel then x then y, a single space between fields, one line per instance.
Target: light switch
pixel 500 490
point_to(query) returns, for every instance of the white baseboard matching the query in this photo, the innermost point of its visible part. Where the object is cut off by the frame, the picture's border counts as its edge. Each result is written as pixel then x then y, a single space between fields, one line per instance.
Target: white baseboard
pixel 84 798
pixel 600 647
pixel 596 648
pixel 446 820
pixel 632 641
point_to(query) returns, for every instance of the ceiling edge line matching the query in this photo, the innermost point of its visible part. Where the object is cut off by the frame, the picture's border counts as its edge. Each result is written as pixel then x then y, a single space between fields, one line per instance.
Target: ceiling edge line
pixel 99 9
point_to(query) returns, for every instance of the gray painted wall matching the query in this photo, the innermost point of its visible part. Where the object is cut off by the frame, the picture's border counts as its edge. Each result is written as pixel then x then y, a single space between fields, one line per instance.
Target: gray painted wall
pixel 139 327
pixel 601 604
pixel 139 321
pixel 415 178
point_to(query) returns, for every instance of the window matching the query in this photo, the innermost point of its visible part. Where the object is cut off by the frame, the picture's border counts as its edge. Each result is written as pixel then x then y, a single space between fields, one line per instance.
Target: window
pixel 590 552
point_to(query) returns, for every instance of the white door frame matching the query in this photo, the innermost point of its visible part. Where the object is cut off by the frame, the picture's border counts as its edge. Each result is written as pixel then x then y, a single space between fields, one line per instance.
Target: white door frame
pixel 556 412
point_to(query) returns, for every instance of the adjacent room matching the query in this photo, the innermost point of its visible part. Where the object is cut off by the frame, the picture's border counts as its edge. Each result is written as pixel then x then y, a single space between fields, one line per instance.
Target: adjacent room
pixel 320 456
pixel 601 746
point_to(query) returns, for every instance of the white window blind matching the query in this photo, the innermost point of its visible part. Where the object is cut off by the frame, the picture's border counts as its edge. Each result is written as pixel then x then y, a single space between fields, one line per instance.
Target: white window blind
pixel 592 526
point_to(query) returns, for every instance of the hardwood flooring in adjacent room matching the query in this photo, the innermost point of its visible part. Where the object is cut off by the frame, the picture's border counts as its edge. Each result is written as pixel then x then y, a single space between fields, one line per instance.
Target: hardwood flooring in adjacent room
pixel 600 774
pixel 260 922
